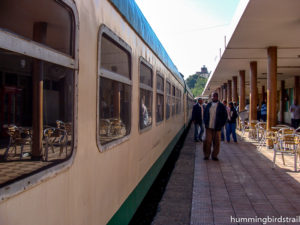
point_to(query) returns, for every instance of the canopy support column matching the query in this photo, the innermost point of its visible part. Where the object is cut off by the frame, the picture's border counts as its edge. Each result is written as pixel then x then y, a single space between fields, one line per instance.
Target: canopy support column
pixel 253 91
pixel 272 87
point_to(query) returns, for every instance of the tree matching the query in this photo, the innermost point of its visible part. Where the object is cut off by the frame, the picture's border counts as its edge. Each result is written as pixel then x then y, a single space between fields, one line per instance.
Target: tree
pixel 191 81
pixel 196 84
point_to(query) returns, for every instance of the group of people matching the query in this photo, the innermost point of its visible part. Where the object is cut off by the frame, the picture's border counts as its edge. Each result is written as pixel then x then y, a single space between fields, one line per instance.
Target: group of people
pixel 214 116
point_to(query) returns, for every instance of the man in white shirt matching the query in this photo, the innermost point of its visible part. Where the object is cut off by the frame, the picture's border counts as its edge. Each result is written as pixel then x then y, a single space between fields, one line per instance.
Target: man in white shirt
pixel 215 116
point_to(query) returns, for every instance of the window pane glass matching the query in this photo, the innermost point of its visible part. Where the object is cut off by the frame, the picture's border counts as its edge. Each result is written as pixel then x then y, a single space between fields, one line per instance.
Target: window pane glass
pixel 160 83
pixel 168 107
pixel 173 101
pixel 145 75
pixel 168 88
pixel 19 17
pixel 159 107
pixel 114 111
pixel 114 58
pixel 145 108
pixel 16 115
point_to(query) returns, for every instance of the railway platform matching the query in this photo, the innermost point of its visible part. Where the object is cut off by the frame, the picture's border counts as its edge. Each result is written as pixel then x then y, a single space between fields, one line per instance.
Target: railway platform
pixel 241 188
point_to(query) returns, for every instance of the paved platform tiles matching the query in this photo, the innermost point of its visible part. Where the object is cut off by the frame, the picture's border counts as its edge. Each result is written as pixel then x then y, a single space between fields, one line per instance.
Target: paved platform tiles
pixel 243 185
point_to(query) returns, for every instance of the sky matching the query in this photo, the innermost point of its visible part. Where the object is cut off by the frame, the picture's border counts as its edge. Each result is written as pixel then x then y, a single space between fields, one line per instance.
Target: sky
pixel 191 31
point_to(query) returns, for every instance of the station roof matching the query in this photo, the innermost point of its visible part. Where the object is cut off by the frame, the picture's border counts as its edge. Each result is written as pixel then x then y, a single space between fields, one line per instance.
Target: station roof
pixel 256 26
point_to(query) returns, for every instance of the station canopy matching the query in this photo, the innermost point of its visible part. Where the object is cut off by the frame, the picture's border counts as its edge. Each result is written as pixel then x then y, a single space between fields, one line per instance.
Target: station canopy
pixel 257 25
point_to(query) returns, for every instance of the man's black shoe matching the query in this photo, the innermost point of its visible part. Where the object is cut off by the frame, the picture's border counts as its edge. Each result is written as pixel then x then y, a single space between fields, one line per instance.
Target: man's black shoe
pixel 215 158
pixel 206 158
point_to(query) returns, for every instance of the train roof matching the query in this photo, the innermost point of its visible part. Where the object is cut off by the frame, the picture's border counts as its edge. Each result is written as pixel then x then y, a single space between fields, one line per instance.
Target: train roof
pixel 134 16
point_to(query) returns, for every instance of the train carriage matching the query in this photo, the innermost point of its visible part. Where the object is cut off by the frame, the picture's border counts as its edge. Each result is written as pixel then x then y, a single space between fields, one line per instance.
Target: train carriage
pixel 92 107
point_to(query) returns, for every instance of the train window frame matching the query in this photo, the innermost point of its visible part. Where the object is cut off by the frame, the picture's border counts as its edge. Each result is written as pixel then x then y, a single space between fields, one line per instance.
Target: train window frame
pixel 173 94
pixel 169 94
pixel 16 43
pixel 145 87
pixel 104 73
pixel 159 92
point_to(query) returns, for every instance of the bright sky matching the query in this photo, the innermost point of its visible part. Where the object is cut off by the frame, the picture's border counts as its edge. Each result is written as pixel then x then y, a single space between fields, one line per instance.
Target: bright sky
pixel 192 31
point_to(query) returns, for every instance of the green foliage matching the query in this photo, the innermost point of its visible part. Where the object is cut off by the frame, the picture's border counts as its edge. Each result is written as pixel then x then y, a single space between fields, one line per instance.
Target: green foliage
pixel 196 84
pixel 191 81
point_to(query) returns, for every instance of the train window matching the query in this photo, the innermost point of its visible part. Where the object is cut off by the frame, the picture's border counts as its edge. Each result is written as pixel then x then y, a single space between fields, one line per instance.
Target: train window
pixel 114 58
pixel 173 101
pixel 38 87
pixel 178 101
pixel 159 98
pixel 114 106
pixel 145 95
pixel 20 17
pixel 168 102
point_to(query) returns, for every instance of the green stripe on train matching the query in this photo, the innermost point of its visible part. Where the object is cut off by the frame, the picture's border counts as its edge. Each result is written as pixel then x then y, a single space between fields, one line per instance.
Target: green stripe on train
pixel 128 208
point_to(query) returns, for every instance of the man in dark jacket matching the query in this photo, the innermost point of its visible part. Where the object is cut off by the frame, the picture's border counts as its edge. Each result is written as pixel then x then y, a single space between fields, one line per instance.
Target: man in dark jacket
pixel 197 118
pixel 215 116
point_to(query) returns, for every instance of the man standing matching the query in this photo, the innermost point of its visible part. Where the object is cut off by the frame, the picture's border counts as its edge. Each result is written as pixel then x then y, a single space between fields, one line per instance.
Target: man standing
pixel 215 116
pixel 263 111
pixel 197 118
pixel 231 123
pixel 295 114
pixel 223 128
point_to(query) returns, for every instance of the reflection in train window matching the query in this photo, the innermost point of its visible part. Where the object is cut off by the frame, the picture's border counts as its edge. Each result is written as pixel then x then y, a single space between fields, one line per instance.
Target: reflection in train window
pixel 21 16
pixel 21 117
pixel 114 58
pixel 115 91
pixel 159 98
pixel 178 101
pixel 168 102
pixel 173 100
pixel 37 85
pixel 145 96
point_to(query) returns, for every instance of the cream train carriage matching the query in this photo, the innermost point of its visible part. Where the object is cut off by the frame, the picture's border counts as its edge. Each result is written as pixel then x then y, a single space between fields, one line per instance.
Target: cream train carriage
pixel 91 107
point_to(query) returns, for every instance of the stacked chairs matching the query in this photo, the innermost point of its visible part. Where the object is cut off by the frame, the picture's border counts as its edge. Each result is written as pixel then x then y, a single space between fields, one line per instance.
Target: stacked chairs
pixel 287 144
pixel 18 136
pixel 244 127
pixel 261 134
pixel 267 136
pixel 260 129
pixel 252 129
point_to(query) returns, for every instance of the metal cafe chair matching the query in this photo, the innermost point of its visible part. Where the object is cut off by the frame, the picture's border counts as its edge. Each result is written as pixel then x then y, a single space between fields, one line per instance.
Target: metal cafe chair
pixel 285 130
pixel 260 130
pixel 297 131
pixel 55 137
pixel 269 136
pixel 18 136
pixel 244 127
pixel 288 144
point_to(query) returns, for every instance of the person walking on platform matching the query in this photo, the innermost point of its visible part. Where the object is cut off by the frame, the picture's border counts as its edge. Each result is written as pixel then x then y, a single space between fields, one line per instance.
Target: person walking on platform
pixel 197 118
pixel 215 116
pixel 224 127
pixel 231 123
